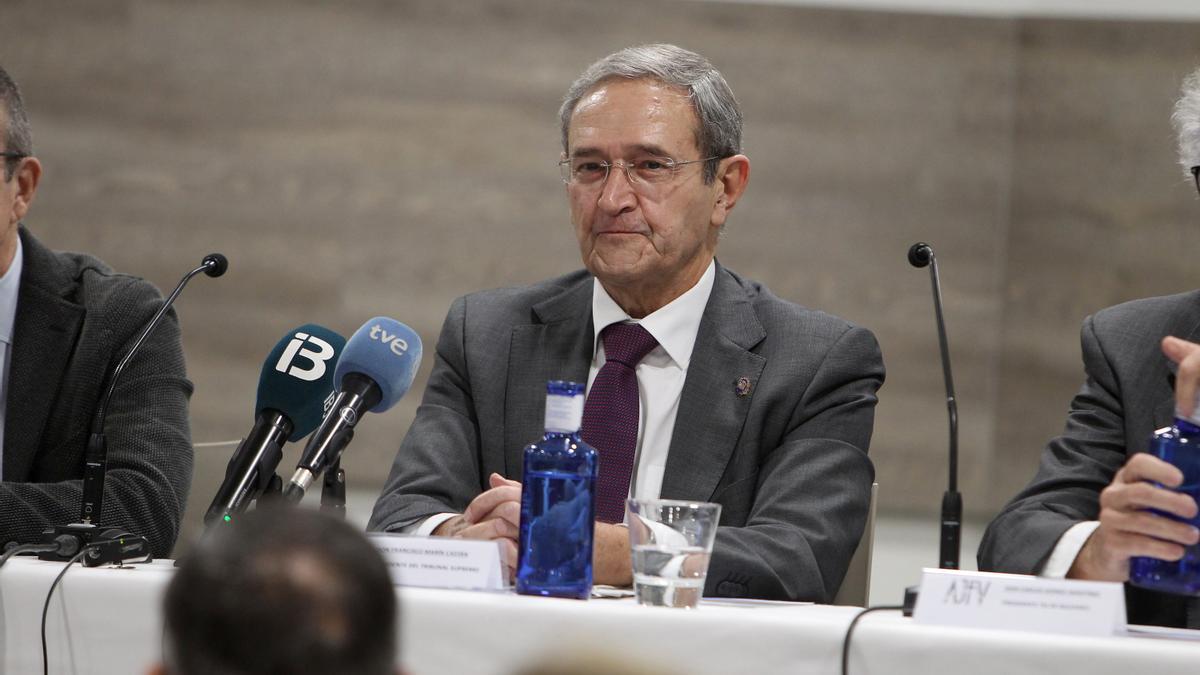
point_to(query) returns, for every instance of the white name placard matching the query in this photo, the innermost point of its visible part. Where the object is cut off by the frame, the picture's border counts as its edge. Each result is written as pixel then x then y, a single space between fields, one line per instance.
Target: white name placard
pixel 441 562
pixel 1019 602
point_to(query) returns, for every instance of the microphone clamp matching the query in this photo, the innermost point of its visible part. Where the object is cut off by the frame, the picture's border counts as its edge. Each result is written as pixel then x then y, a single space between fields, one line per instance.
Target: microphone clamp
pixel 117 547
pixel 299 484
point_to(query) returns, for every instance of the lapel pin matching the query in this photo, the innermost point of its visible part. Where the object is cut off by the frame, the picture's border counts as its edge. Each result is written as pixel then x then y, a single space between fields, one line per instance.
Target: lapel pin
pixel 742 387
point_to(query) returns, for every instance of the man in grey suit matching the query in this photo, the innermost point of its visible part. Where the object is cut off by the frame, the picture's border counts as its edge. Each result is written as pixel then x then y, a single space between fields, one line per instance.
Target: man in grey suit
pixel 66 319
pixel 742 398
pixel 1085 514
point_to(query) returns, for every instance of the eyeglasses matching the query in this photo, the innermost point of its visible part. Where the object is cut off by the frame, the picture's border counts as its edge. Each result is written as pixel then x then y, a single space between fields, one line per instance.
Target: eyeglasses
pixel 13 155
pixel 1196 176
pixel 641 173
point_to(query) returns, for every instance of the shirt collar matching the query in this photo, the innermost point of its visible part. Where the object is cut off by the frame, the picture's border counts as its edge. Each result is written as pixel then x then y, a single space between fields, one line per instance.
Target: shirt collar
pixel 9 285
pixel 674 325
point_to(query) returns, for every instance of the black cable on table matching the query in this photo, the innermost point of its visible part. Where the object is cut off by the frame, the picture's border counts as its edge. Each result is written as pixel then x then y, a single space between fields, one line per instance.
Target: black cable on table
pixel 46 607
pixel 850 631
pixel 27 548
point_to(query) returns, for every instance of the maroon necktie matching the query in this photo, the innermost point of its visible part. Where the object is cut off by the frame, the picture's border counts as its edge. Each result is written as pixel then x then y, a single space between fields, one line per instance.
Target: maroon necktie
pixel 610 415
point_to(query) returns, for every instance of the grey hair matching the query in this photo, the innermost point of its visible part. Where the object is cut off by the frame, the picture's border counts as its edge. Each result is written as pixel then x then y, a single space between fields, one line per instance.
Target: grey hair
pixel 1187 122
pixel 719 133
pixel 17 136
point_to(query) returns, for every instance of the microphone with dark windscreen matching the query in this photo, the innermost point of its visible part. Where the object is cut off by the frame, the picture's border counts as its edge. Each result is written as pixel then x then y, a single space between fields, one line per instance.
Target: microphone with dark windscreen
pixel 375 370
pixel 297 380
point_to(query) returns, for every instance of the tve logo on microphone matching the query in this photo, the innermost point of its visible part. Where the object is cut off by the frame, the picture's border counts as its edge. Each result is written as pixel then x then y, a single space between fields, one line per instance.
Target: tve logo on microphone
pixel 398 345
pixel 299 348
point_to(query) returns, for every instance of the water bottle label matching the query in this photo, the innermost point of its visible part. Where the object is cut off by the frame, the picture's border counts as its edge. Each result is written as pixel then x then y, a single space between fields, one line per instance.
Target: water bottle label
pixel 564 414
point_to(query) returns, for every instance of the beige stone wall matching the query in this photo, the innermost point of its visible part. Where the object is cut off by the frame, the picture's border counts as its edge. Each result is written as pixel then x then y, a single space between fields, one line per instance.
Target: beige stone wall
pixel 364 158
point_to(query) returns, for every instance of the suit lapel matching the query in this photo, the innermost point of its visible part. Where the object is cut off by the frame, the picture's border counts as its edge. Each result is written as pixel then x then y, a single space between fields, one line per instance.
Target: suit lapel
pixel 44 335
pixel 558 346
pixel 713 407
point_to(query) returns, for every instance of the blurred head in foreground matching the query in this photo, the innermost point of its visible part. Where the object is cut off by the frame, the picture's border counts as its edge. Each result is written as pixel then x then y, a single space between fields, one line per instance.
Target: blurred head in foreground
pixel 281 591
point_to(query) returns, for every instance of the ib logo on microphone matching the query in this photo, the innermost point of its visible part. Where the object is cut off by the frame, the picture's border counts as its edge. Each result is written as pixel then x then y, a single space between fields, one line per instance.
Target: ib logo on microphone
pixel 398 345
pixel 302 347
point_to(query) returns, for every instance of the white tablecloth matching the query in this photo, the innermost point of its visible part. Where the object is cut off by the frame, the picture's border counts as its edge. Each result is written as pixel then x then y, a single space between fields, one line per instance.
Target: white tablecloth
pixel 106 620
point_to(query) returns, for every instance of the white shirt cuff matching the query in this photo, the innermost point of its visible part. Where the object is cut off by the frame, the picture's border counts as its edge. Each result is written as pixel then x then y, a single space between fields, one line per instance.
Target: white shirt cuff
pixel 425 528
pixel 1067 549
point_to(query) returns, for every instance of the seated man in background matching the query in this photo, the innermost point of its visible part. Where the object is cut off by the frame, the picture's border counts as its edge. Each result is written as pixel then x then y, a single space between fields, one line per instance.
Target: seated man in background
pixel 737 397
pixel 66 320
pixel 1085 514
pixel 281 590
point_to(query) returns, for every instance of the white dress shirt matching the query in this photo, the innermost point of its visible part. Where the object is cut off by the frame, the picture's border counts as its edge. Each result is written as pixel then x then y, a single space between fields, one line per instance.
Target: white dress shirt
pixel 1067 549
pixel 660 374
pixel 660 377
pixel 10 283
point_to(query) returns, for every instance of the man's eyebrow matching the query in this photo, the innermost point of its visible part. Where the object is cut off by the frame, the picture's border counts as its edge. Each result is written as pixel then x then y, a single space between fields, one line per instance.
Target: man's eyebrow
pixel 585 152
pixel 638 149
pixel 651 149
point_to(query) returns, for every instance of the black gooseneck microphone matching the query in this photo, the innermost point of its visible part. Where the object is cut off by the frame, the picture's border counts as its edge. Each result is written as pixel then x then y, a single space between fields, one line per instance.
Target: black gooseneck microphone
pixel 96 459
pixel 921 255
pixel 96 455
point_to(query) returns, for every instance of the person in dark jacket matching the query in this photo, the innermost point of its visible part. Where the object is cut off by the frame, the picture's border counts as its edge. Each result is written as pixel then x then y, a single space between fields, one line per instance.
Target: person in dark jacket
pixel 66 320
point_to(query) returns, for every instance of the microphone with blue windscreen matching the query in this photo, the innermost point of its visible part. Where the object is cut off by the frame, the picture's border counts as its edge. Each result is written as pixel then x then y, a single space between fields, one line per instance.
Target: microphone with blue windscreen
pixel 297 380
pixel 375 371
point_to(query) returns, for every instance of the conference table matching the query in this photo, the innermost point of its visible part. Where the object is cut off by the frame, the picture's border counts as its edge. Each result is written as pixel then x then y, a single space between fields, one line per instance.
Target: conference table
pixel 109 620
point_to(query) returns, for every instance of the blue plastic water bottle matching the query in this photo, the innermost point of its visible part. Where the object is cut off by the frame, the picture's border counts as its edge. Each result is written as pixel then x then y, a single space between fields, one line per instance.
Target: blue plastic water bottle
pixel 1178 444
pixel 558 502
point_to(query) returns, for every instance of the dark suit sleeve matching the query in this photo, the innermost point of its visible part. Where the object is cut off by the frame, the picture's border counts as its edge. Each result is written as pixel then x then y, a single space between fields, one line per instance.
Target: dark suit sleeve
pixel 1074 468
pixel 812 491
pixel 437 467
pixel 149 442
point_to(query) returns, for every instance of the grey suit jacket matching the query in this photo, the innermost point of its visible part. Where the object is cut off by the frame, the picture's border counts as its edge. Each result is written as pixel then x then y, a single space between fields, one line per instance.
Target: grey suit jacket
pixel 788 462
pixel 75 319
pixel 1127 394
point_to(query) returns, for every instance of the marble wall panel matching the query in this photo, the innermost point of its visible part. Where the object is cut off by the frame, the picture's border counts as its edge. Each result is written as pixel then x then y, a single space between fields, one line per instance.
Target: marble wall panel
pixel 1101 211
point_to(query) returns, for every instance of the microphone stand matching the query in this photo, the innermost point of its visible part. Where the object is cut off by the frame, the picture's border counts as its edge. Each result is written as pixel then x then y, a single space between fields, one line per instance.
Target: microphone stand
pixel 333 489
pixel 951 499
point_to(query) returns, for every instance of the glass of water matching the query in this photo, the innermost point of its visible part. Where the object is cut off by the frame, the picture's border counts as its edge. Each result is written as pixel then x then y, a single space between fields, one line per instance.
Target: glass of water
pixel 672 541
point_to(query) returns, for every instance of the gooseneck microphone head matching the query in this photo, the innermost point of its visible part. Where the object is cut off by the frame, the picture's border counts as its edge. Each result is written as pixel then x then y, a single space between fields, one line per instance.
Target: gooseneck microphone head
pixel 920 254
pixel 296 380
pixel 215 264
pixel 375 370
